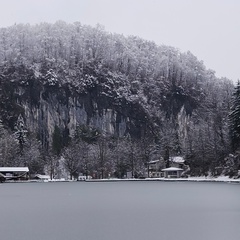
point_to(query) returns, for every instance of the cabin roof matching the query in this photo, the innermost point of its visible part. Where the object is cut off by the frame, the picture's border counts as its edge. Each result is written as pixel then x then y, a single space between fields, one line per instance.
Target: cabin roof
pixel 177 159
pixel 154 161
pixel 40 176
pixel 172 169
pixel 14 169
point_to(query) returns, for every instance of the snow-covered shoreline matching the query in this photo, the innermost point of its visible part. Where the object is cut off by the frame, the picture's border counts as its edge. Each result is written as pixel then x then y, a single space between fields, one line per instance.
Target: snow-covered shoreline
pixel 219 179
pixel 189 179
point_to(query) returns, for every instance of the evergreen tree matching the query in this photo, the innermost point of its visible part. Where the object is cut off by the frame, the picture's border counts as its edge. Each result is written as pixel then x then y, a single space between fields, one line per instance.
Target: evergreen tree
pixel 20 133
pixel 87 134
pixel 234 119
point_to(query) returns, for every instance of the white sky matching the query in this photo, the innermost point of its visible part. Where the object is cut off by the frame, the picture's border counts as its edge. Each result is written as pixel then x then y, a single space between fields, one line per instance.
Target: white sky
pixel 210 29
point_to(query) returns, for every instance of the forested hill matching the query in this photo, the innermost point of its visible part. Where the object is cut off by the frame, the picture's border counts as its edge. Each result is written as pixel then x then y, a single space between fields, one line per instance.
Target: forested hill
pixel 60 76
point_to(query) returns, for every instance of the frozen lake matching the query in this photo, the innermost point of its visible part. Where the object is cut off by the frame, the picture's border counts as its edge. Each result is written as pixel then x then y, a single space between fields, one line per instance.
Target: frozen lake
pixel 120 211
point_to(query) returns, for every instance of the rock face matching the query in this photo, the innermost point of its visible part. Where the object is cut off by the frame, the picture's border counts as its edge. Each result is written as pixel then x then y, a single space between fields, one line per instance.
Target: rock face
pixel 50 113
pixel 47 101
pixel 57 106
pixel 48 104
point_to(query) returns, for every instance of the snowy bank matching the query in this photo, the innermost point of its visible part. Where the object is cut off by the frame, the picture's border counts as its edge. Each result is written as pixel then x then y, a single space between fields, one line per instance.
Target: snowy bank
pixel 189 179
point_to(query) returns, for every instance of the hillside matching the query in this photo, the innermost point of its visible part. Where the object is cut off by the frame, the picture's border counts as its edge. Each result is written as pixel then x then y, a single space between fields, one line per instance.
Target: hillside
pixel 61 76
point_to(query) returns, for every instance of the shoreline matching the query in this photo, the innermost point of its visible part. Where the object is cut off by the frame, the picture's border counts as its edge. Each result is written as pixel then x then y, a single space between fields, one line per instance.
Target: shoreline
pixel 190 179
pixel 221 179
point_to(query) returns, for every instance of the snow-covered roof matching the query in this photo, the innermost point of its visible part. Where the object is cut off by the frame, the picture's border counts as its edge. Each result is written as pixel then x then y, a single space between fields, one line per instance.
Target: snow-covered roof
pixel 177 159
pixel 172 169
pixel 40 176
pixel 154 161
pixel 14 169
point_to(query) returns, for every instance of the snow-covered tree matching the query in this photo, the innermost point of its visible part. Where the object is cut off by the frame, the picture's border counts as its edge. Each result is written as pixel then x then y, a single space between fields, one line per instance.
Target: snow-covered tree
pixel 143 83
pixel 234 119
pixel 32 156
pixel 87 133
pixel 8 148
pixel 76 158
pixel 51 164
pixel 20 133
pixel 103 164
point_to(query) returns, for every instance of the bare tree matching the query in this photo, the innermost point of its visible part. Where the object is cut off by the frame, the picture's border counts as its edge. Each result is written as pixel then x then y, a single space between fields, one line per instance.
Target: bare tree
pixel 76 158
pixel 104 164
pixel 8 149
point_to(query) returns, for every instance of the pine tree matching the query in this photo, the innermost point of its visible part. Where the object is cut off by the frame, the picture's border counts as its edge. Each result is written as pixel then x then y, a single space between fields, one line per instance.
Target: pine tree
pixel 20 133
pixel 234 119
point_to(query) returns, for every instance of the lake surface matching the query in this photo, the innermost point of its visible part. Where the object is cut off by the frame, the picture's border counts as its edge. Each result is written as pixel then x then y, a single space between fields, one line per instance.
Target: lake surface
pixel 120 211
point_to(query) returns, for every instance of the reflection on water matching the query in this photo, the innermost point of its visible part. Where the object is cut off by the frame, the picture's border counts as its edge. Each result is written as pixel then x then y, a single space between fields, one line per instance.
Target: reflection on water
pixel 120 210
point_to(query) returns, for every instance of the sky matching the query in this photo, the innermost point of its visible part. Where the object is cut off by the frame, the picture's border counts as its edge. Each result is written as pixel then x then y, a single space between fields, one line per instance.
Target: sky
pixel 210 29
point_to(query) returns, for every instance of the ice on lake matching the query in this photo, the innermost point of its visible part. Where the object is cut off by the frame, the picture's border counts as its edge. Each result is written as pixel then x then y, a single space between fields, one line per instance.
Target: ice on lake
pixel 120 210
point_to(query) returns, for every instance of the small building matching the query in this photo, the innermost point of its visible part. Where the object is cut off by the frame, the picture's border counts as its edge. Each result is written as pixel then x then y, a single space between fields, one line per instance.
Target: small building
pixel 154 169
pixel 42 177
pixel 172 172
pixel 15 173
pixel 129 174
pixel 177 161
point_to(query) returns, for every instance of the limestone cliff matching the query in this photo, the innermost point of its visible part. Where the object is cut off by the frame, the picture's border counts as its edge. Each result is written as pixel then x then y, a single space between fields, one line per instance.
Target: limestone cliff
pixel 44 107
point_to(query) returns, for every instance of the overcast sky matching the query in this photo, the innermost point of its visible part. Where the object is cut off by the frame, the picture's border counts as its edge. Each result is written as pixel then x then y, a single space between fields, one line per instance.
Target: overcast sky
pixel 210 29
